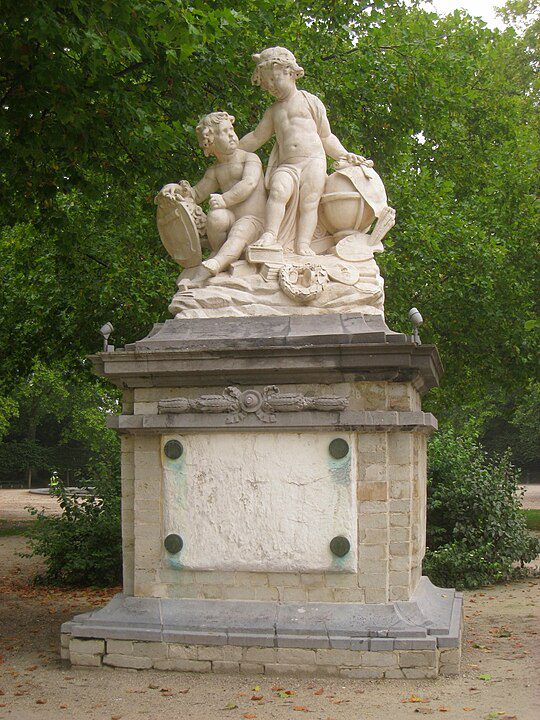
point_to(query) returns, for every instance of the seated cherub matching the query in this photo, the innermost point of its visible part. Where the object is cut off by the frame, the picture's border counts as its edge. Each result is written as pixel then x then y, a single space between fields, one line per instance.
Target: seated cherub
pixel 235 217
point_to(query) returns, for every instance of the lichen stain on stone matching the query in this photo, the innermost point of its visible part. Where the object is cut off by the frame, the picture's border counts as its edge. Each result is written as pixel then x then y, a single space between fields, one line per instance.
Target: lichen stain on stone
pixel 340 470
pixel 175 490
pixel 339 564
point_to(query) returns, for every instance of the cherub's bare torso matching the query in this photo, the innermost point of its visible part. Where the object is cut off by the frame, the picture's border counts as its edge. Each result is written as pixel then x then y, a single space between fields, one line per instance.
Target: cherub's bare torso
pixel 230 172
pixel 295 129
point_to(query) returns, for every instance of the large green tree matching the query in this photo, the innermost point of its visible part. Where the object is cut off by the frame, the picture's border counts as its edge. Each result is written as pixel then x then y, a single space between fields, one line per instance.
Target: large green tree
pixel 99 104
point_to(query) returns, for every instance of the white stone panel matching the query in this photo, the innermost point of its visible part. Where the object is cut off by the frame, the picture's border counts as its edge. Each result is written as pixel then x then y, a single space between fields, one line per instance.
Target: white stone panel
pixel 267 502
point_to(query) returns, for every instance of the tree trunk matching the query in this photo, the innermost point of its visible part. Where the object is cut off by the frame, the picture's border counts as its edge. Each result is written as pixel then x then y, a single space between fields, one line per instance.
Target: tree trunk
pixel 32 430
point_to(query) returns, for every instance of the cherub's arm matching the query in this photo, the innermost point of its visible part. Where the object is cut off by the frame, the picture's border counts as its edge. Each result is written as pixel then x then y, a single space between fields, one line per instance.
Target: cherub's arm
pixel 208 185
pixel 262 133
pixel 333 147
pixel 244 187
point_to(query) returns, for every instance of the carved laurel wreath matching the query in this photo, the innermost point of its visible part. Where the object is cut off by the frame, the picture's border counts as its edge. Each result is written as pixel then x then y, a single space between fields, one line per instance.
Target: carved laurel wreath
pixel 302 283
pixel 238 404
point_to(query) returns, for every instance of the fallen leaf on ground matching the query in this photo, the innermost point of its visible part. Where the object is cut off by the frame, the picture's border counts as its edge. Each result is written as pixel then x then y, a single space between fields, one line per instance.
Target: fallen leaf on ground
pixel 319 691
pixel 256 697
pixel 415 699
pixel 230 706
pixel 184 691
pixel 301 708
pixel 249 716
pixel 443 709
pixel 32 667
pixel 485 677
pixel 276 688
pixel 40 702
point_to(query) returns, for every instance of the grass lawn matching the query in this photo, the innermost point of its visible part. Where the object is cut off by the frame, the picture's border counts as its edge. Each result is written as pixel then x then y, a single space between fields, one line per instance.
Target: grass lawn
pixel 9 528
pixel 533 519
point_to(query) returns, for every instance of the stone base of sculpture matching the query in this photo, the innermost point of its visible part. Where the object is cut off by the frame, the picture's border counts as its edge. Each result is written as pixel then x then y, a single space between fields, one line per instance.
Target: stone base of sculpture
pixel 283 285
pixel 420 638
pixel 274 503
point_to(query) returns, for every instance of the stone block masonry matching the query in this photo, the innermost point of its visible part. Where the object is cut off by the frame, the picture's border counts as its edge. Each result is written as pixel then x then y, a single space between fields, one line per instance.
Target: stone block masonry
pixel 229 659
pixel 273 503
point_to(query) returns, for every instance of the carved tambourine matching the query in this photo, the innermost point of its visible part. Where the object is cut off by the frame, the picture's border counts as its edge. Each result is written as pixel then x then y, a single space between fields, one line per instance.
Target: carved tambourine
pixel 181 224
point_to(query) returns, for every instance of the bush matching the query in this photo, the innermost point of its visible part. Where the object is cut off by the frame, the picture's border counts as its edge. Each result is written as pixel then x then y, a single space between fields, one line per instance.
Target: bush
pixel 476 530
pixel 83 545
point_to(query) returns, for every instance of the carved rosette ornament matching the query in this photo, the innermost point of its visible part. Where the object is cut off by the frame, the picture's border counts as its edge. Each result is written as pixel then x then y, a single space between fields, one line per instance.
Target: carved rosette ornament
pixel 264 405
pixel 302 283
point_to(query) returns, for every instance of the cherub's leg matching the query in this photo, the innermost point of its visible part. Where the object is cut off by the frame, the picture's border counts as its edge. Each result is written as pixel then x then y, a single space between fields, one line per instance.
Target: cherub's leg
pixel 311 189
pixel 281 189
pixel 243 232
pixel 218 224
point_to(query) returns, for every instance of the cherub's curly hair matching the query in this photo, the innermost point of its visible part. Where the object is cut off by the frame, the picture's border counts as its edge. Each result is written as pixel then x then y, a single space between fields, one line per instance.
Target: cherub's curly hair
pixel 278 55
pixel 207 124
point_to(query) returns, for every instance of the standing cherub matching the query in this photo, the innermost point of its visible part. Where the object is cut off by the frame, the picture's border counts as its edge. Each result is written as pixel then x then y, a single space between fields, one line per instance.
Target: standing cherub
pixel 235 217
pixel 296 172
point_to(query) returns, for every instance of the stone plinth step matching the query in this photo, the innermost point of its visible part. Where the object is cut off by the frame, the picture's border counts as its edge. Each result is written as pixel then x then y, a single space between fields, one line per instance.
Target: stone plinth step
pixel 337 636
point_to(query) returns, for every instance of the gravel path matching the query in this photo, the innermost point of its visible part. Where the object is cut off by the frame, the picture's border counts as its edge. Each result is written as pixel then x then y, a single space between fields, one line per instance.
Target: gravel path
pixel 499 680
pixel 13 504
pixel 531 499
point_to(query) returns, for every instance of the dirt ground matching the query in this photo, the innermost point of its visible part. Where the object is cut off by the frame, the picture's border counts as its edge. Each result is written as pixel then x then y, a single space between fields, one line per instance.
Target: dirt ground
pixel 531 499
pixel 500 678
pixel 13 504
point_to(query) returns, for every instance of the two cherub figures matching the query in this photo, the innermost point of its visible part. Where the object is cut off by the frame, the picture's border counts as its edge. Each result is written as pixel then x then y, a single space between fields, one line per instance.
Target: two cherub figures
pixel 258 215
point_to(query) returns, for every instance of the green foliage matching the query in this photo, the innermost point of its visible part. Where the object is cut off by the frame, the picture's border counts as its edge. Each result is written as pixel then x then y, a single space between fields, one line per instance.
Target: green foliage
pixel 526 423
pixel 99 108
pixel 99 105
pixel 83 546
pixel 8 411
pixel 58 423
pixel 476 529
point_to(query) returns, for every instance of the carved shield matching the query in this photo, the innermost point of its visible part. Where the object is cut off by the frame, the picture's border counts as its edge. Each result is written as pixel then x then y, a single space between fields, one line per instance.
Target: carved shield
pixel 178 231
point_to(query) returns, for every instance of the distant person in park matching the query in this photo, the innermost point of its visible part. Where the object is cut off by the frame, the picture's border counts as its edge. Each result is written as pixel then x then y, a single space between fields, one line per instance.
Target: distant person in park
pixel 296 173
pixel 235 217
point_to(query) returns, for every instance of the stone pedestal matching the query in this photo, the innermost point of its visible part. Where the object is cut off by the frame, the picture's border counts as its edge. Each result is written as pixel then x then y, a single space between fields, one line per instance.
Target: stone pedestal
pixel 274 503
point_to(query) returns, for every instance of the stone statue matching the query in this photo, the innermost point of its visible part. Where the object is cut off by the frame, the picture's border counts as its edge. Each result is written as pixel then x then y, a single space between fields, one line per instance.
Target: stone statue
pixel 307 248
pixel 235 217
pixel 296 173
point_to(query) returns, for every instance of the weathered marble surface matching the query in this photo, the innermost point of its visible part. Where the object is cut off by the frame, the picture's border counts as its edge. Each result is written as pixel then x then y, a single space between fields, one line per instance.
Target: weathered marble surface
pixel 272 505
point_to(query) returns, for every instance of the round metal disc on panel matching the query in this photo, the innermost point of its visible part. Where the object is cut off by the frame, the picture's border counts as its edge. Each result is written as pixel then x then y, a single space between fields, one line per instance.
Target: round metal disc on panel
pixel 340 546
pixel 338 448
pixel 173 543
pixel 173 449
